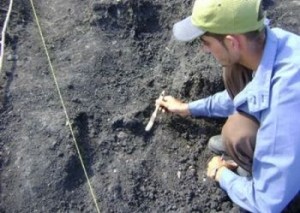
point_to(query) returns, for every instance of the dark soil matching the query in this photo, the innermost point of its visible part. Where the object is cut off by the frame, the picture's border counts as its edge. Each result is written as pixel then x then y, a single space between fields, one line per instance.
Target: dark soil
pixel 112 59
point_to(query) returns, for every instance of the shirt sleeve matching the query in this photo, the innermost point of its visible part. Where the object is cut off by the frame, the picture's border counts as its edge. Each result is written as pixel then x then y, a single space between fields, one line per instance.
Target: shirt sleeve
pixel 276 172
pixel 217 105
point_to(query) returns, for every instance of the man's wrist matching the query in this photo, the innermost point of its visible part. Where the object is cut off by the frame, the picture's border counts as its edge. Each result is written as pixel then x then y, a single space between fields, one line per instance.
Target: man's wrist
pixel 219 172
pixel 183 110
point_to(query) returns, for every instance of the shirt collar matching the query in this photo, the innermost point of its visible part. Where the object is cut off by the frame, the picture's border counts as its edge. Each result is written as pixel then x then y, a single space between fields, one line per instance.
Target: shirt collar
pixel 264 71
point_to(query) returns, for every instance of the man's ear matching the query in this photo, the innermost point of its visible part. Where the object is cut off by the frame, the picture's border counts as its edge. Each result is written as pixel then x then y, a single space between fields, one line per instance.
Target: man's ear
pixel 232 42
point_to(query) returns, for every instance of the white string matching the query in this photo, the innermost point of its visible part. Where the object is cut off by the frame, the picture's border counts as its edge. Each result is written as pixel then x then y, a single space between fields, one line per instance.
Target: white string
pixel 3 34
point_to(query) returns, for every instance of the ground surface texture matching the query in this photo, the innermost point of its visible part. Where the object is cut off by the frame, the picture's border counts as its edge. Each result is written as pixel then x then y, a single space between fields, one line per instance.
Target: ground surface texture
pixel 111 59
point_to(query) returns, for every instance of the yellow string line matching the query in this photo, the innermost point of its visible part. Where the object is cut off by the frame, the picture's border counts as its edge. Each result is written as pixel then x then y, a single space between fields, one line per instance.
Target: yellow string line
pixel 64 107
pixel 3 34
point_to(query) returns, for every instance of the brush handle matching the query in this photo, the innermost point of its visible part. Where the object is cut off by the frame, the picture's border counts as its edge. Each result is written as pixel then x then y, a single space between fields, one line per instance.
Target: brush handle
pixel 153 116
pixel 152 119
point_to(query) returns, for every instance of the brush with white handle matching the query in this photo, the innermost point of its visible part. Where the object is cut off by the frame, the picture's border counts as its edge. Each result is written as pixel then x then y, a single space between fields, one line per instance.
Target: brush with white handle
pixel 153 116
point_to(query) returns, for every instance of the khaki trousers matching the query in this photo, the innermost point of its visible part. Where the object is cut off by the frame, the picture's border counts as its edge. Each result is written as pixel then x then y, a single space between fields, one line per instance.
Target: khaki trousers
pixel 239 137
pixel 240 129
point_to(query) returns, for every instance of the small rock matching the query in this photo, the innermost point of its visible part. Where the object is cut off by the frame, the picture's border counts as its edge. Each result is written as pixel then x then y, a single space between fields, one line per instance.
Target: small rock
pixel 179 174
pixel 60 154
pixel 122 135
pixel 76 100
pixel 12 57
pixel 70 86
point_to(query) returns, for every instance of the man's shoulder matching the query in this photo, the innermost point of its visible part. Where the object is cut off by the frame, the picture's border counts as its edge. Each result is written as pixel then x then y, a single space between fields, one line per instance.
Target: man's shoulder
pixel 286 37
pixel 283 33
pixel 288 46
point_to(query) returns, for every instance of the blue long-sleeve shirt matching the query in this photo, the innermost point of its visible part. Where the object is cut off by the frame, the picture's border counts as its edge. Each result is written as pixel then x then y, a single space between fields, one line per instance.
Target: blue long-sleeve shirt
pixel 273 97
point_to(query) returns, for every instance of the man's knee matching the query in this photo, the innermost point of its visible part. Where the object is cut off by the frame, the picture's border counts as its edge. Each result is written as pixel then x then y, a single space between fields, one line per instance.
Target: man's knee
pixel 239 127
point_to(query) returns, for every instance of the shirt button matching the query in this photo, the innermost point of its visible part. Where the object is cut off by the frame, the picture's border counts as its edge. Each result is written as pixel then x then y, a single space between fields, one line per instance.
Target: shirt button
pixel 253 100
pixel 262 98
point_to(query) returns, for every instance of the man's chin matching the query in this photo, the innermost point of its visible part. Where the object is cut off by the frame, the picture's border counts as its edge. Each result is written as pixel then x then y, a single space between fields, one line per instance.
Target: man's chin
pixel 227 65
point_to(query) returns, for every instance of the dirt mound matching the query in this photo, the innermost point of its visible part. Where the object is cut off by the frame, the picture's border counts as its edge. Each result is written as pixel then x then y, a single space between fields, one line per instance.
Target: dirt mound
pixel 111 59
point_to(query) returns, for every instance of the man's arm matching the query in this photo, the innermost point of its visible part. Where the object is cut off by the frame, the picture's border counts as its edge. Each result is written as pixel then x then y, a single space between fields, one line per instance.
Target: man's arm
pixel 217 105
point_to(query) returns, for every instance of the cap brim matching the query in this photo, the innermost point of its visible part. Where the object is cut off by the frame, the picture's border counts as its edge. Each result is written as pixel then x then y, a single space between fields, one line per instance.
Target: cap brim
pixel 186 31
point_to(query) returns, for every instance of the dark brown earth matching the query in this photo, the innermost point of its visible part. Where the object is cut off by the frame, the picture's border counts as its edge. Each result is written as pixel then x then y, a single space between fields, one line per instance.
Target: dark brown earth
pixel 111 59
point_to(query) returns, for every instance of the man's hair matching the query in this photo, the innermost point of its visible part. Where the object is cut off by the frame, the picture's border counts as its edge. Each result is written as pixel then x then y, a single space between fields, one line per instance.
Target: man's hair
pixel 255 36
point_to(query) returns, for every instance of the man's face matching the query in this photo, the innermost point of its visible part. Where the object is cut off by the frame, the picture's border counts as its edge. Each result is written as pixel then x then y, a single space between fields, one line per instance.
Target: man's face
pixel 216 47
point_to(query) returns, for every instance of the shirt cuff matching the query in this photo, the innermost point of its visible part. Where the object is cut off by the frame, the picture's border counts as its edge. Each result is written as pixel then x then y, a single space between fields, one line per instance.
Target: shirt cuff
pixel 226 178
pixel 196 108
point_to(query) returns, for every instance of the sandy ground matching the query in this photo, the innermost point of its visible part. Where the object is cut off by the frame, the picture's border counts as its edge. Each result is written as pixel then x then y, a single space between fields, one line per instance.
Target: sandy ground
pixel 111 59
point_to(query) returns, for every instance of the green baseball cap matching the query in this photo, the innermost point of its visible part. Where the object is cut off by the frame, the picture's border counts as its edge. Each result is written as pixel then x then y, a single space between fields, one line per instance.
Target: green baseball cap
pixel 220 17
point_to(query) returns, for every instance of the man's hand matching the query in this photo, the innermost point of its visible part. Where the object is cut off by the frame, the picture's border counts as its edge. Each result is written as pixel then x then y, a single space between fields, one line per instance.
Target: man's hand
pixel 170 104
pixel 216 165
